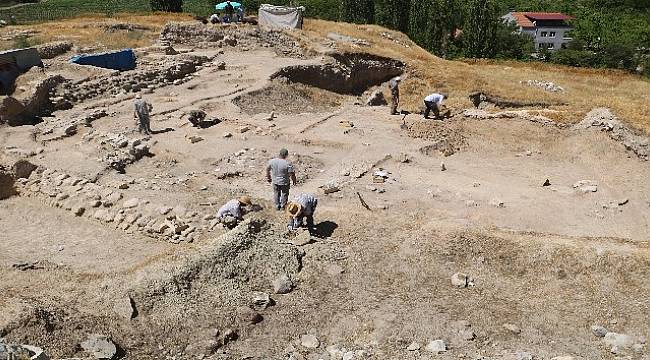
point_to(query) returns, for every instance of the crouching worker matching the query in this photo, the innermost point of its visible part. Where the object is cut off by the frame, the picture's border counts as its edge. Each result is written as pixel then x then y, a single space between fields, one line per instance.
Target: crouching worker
pixel 233 211
pixel 303 206
pixel 433 103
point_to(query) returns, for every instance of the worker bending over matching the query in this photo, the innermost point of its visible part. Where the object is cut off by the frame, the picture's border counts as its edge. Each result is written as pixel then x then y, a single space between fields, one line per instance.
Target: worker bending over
pixel 303 206
pixel 231 213
pixel 433 103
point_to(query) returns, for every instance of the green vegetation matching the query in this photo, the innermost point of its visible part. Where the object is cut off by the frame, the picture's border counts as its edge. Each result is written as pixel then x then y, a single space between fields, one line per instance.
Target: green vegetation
pixel 167 5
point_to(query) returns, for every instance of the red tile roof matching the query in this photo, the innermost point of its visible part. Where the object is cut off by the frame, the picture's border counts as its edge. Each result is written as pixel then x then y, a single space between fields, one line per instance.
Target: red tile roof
pixel 525 19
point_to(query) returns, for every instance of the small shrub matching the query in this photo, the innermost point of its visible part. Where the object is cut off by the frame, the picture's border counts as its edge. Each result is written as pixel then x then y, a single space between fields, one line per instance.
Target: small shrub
pixel 21 42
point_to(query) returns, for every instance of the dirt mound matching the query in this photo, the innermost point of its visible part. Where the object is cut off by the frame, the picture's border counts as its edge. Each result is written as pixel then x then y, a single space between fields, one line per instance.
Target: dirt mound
pixel 349 73
pixel 447 136
pixel 288 98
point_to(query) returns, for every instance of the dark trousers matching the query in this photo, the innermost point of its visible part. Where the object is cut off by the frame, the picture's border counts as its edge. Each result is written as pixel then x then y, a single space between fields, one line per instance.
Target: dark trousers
pixel 144 125
pixel 431 106
pixel 280 195
pixel 394 102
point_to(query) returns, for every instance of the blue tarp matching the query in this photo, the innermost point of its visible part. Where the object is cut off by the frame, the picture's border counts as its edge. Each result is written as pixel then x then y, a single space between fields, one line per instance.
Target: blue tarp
pixel 119 60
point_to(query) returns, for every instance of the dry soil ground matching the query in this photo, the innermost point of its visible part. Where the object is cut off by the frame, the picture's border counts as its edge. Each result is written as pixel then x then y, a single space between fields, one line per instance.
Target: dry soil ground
pixel 551 261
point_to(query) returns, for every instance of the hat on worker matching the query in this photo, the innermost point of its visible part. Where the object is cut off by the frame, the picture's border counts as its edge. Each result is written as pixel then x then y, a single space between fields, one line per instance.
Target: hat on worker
pixel 294 209
pixel 138 96
pixel 284 152
pixel 246 200
pixel 398 78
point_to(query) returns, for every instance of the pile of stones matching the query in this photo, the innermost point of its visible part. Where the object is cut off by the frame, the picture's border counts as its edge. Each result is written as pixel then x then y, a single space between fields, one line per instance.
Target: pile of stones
pixel 544 85
pixel 109 206
pixel 169 70
pixel 121 150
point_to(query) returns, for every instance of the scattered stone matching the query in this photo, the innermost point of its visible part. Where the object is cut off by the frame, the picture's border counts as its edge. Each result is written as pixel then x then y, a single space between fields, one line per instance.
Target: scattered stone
pixel 461 280
pixel 261 301
pixel 131 203
pixel 123 186
pixel 522 355
pixel 586 186
pixel 512 328
pixel 443 167
pixel 619 342
pixel 376 99
pixel 414 346
pixel 330 188
pixel 497 203
pixel 193 139
pixel 100 347
pixel 623 202
pixel 125 308
pixel 301 238
pixel 78 210
pixel 282 285
pixel 164 210
pixel 227 135
pixel 244 129
pixel 599 331
pixel 436 346
pixel 309 341
pixel 547 183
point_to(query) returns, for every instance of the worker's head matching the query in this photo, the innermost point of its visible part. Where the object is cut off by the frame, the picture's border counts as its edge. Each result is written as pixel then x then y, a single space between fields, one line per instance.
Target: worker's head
pixel 284 153
pixel 398 78
pixel 138 96
pixel 245 200
pixel 294 209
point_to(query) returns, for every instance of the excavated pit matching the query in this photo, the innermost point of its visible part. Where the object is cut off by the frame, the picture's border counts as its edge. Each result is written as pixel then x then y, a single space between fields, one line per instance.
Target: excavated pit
pixel 348 73
pixel 281 97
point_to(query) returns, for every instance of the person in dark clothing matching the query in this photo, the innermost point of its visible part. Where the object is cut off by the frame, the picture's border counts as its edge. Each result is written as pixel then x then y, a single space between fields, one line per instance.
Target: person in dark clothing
pixel 230 10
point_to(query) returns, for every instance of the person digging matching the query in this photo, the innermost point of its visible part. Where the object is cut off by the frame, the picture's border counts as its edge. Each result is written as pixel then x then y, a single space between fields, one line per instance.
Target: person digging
pixel 142 111
pixel 303 206
pixel 433 103
pixel 232 213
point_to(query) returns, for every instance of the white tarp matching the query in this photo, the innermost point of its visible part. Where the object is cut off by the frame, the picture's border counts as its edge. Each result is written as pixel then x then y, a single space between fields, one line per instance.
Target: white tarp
pixel 280 16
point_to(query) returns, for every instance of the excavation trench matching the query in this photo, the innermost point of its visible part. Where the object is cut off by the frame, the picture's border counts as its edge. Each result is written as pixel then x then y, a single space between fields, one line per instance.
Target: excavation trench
pixel 347 73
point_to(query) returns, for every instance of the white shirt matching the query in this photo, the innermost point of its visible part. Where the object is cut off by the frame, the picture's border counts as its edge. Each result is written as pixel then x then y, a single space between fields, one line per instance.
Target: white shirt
pixel 436 98
pixel 232 208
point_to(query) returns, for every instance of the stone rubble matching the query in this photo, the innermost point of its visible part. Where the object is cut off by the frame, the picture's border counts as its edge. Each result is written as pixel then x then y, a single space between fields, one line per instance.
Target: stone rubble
pixel 606 121
pixel 157 73
pixel 100 347
pixel 544 85
pixel 84 198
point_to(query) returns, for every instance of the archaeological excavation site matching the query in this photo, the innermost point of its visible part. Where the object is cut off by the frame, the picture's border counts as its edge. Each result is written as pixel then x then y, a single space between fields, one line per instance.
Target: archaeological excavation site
pixel 517 227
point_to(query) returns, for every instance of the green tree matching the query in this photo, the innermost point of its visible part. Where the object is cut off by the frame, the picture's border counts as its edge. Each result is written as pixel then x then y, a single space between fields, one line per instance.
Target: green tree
pixel 357 11
pixel 167 5
pixel 393 14
pixel 481 29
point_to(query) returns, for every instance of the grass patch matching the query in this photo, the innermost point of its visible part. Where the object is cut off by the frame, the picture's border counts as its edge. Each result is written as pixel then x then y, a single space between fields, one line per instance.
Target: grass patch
pixel 626 94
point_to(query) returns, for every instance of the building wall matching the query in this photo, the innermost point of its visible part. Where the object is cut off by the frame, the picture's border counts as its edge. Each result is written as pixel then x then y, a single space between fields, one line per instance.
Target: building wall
pixel 552 37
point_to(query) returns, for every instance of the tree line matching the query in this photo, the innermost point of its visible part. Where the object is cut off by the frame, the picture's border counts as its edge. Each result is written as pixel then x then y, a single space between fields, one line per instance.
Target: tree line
pixel 616 38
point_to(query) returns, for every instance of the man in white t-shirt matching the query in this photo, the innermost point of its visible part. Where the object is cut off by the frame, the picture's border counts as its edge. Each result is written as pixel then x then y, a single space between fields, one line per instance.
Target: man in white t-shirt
pixel 433 103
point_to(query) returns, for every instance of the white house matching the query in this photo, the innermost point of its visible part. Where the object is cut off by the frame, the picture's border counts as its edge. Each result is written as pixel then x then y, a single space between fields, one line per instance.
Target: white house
pixel 551 31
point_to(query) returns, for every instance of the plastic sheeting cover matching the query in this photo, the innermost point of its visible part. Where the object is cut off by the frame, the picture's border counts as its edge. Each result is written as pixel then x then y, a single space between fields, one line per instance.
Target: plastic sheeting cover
pixel 280 16
pixel 119 60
